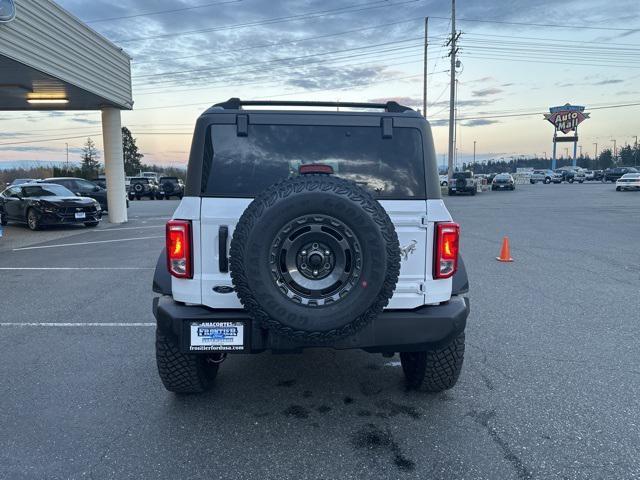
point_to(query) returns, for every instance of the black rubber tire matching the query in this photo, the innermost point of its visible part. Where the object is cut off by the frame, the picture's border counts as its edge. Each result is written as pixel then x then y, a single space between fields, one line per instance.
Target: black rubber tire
pixel 473 192
pixel 570 180
pixel 618 189
pixel 35 224
pixel 91 224
pixel 434 370
pixel 533 182
pixel 304 196
pixel 180 372
pixel 137 197
pixel 547 181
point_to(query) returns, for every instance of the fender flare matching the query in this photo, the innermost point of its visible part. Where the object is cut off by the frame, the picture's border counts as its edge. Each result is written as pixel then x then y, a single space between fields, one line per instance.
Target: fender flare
pixel 460 280
pixel 161 277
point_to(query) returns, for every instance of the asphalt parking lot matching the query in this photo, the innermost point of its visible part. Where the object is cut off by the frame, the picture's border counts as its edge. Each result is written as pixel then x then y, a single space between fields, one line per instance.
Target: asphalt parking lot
pixel 550 386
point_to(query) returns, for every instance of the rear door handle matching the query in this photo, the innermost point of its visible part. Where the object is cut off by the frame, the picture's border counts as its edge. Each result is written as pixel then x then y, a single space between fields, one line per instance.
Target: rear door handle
pixel 223 260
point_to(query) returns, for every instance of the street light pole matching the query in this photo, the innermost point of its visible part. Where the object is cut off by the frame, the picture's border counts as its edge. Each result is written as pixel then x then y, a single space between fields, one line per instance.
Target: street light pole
pixel 424 84
pixel 474 151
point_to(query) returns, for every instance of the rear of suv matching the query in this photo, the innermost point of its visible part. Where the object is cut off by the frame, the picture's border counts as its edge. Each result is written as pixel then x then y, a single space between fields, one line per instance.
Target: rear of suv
pixel 311 228
pixel 140 187
pixel 170 187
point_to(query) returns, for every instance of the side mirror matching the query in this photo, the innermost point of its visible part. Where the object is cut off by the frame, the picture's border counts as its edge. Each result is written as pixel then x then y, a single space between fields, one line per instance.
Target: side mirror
pixel 78 194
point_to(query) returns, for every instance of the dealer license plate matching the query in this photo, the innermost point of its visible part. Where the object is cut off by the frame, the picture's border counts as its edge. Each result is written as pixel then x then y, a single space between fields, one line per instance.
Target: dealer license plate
pixel 80 215
pixel 216 336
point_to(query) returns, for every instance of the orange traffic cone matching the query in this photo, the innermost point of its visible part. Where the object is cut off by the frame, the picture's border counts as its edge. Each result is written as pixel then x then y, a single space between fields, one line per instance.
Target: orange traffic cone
pixel 505 252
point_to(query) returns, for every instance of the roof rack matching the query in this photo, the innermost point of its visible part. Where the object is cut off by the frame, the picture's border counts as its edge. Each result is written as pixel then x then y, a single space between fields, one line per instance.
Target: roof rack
pixel 237 104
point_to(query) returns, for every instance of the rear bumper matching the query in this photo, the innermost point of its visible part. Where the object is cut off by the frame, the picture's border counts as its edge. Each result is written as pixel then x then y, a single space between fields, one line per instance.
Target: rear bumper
pixel 392 331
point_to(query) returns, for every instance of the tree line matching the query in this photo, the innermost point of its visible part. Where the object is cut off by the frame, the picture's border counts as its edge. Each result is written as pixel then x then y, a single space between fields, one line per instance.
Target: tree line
pixel 628 155
pixel 90 167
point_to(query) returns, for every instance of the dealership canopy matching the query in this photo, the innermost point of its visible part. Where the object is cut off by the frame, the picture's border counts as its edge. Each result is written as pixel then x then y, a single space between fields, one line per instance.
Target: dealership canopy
pixel 50 60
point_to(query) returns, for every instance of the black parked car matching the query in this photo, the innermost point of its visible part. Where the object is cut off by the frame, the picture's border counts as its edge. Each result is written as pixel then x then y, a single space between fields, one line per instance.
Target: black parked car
pixel 143 187
pixel 613 174
pixel 503 181
pixel 83 188
pixel 46 204
pixel 170 187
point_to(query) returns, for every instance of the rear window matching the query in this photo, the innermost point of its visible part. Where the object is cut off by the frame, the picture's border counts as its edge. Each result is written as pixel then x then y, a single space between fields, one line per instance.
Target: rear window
pixel 140 180
pixel 390 168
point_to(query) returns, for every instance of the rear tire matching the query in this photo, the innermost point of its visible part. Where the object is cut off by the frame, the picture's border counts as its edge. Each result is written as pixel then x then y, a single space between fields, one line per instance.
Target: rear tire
pixel 618 189
pixel 547 181
pixel 180 372
pixel 434 370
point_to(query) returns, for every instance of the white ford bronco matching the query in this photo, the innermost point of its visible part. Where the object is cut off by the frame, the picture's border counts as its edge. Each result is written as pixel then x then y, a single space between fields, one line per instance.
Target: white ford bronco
pixel 304 228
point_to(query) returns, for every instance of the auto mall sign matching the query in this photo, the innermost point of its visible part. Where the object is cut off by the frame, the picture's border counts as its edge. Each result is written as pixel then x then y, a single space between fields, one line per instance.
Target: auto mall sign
pixel 567 117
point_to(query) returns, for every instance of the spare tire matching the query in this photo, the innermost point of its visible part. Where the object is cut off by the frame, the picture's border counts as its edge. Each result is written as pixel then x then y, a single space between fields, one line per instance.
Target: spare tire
pixel 314 258
pixel 168 187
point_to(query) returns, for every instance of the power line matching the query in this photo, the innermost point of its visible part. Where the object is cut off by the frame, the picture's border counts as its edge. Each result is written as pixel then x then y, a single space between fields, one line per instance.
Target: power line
pixel 270 21
pixel 283 59
pixel 275 44
pixel 161 12
pixel 545 25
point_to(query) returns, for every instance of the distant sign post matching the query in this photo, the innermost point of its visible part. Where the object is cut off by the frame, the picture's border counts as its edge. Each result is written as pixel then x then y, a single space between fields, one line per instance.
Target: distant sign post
pixel 566 119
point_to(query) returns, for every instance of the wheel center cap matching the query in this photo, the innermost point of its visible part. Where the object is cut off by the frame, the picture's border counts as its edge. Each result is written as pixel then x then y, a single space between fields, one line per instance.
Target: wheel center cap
pixel 315 259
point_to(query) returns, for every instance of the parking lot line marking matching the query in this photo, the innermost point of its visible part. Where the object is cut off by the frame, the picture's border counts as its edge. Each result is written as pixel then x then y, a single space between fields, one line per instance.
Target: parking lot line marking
pixel 77 268
pixel 86 243
pixel 128 228
pixel 77 324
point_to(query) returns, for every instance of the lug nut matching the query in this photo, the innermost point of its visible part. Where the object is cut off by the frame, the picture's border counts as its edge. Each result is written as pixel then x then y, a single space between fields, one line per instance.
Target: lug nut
pixel 315 273
pixel 327 252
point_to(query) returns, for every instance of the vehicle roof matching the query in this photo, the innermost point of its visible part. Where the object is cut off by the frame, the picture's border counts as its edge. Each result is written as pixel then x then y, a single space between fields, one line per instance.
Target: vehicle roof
pixel 37 184
pixel 65 178
pixel 235 105
pixel 631 175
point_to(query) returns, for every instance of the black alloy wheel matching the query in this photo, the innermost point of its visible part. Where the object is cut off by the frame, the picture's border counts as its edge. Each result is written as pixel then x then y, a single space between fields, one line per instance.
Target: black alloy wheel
pixel 315 260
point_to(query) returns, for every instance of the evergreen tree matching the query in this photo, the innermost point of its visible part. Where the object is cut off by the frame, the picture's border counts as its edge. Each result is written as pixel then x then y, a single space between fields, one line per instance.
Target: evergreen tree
pixel 131 154
pixel 605 159
pixel 90 165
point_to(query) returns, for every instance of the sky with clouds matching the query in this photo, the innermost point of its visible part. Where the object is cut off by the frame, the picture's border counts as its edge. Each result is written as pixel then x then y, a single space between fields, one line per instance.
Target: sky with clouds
pixel 189 54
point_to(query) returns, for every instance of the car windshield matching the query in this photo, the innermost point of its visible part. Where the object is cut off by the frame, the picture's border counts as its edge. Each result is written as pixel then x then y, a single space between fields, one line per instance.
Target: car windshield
pixel 46 191
pixel 391 168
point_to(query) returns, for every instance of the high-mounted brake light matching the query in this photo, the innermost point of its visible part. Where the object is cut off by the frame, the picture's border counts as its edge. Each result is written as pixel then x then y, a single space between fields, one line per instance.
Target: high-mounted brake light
pixel 315 168
pixel 178 236
pixel 445 261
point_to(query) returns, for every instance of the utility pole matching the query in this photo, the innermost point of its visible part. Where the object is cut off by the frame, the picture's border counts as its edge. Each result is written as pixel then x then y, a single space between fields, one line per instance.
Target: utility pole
pixel 474 151
pixel 596 155
pixel 615 150
pixel 452 87
pixel 67 163
pixel 424 81
pixel 580 147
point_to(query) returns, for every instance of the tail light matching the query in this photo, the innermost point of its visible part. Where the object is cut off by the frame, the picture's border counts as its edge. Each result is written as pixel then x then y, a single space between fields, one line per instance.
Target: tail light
pixel 179 248
pixel 445 262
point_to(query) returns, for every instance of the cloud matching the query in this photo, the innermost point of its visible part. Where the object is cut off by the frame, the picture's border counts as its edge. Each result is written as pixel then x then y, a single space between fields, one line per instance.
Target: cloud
pixel 438 123
pixel 407 101
pixel 610 81
pixel 485 92
pixel 28 149
pixel 478 122
pixel 86 121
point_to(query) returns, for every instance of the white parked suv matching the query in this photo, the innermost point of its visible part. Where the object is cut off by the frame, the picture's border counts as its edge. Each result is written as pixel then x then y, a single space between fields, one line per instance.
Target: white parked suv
pixel 311 228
